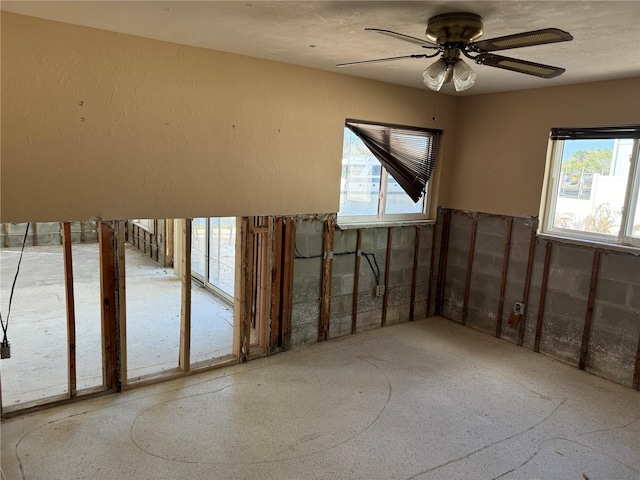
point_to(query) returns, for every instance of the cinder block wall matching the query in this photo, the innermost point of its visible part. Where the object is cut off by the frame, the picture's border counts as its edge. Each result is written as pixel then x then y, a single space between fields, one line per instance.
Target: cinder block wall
pixel 46 233
pixel 608 346
pixel 306 310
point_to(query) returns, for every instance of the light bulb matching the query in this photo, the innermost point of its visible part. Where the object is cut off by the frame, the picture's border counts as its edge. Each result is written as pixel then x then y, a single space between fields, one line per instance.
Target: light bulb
pixel 463 76
pixel 435 75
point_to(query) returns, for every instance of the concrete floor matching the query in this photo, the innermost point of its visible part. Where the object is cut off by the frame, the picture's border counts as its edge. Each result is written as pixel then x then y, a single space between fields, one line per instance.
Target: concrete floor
pixel 429 399
pixel 37 368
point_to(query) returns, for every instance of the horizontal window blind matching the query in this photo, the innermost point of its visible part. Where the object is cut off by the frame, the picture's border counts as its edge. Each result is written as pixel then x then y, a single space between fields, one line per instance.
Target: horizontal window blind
pixel 409 154
pixel 596 133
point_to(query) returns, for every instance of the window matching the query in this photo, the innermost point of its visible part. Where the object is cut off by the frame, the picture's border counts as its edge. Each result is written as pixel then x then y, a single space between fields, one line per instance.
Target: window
pixel 385 172
pixel 593 185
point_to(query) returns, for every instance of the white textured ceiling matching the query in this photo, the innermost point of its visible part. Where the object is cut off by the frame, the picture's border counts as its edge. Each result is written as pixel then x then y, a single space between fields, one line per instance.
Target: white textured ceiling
pixel 321 34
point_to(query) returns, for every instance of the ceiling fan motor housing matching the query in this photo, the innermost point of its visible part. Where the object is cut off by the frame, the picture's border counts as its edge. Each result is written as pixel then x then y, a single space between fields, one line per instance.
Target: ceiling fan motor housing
pixel 458 27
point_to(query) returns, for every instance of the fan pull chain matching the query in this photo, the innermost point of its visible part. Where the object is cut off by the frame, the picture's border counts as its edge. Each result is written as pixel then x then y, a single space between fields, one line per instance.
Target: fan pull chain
pixel 435 101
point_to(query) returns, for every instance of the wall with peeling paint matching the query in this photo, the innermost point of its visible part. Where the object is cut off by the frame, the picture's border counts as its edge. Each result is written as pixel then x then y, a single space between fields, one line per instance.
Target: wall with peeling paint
pixel 101 124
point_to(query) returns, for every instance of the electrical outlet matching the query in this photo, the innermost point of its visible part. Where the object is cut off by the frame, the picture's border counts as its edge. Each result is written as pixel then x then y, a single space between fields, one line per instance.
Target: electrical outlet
pixel 379 290
pixel 518 308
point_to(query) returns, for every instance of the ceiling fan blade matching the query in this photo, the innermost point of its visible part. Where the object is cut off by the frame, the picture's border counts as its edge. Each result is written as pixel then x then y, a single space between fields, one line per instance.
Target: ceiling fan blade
pixel 406 38
pixel 520 66
pixel 524 39
pixel 389 59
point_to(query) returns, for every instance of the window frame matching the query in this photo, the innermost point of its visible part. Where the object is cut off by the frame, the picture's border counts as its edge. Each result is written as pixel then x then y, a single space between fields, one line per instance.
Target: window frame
pixel 623 237
pixel 382 217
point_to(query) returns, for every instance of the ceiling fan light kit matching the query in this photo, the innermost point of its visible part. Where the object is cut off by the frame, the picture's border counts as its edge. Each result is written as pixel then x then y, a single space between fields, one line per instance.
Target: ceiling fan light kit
pixel 452 34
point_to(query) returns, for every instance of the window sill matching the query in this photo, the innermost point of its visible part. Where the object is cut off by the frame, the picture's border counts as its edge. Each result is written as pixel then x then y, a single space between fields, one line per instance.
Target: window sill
pixel 591 243
pixel 350 225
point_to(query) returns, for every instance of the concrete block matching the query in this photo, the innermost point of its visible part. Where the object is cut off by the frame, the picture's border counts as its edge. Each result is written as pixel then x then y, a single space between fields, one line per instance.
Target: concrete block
pixel 369 302
pixel 48 227
pixel 620 267
pixel 612 291
pixel 571 257
pixel 307 267
pixel 481 320
pixel 339 326
pixel 305 313
pixel 561 336
pixel 633 297
pixel 343 264
pixel 453 302
pixel 564 280
pixel 566 305
pixel 364 321
pixel 485 283
pixel 399 295
pixel 419 310
pixel 489 243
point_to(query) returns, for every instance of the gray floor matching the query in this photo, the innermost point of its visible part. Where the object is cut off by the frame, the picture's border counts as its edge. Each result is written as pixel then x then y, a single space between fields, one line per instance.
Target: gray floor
pixel 423 400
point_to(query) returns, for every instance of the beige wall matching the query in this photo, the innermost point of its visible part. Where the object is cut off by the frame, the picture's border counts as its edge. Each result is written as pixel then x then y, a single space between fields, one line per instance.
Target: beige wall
pixel 500 156
pixel 99 124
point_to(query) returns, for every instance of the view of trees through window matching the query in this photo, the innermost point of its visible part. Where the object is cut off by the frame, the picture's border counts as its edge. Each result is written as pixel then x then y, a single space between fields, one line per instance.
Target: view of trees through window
pixel 593 188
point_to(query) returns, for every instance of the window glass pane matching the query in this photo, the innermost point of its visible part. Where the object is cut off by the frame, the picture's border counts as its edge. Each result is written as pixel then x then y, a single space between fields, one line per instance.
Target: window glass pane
pixel 591 185
pixel 397 201
pixel 360 180
pixel 222 252
pixel 635 224
pixel 198 246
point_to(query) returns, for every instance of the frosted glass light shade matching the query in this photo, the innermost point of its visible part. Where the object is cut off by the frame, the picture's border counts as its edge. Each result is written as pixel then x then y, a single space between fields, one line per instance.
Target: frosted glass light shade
pixel 463 76
pixel 435 75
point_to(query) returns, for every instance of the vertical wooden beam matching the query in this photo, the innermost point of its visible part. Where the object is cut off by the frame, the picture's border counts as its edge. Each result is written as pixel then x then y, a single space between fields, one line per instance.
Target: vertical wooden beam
pixel 356 282
pixel 184 360
pixel 444 253
pixel 34 234
pixel 70 303
pixel 434 237
pixel 122 302
pixel 543 296
pixel 287 280
pixel 275 339
pixel 387 271
pixel 327 268
pixel 5 232
pixel 108 279
pixel 414 275
pixel 168 242
pixel 527 280
pixel 586 334
pixel 248 293
pixel 636 371
pixel 503 279
pixel 467 284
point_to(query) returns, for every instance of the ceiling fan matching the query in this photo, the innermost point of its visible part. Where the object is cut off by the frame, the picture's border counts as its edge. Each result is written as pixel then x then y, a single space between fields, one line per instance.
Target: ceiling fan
pixel 452 34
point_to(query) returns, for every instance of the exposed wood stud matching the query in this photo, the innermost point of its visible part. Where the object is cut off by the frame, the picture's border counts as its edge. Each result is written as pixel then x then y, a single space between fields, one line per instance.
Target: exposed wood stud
pixel 543 296
pixel 636 372
pixel 168 242
pixel 442 270
pixel 5 231
pixel 70 304
pixel 586 334
pixel 34 234
pixel 248 294
pixel 275 339
pixel 387 271
pixel 121 307
pixel 287 281
pixel 356 281
pixel 327 267
pixel 505 268
pixel 434 237
pixel 527 280
pixel 414 276
pixel 467 283
pixel 108 278
pixel 184 361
